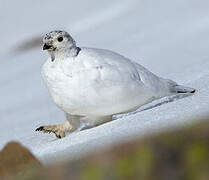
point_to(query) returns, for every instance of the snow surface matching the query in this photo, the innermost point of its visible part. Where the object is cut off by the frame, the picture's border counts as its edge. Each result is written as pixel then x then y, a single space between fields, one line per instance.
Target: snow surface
pixel 170 38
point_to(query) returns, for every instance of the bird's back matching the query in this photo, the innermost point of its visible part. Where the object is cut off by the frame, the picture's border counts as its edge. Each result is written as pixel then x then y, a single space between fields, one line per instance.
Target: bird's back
pixel 130 69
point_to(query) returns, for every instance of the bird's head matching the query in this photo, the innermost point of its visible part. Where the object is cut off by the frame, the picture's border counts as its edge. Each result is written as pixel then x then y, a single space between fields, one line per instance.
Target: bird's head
pixel 58 41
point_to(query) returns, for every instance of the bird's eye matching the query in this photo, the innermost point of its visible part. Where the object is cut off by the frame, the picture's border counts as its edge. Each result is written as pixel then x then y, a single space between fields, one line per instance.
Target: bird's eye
pixel 60 39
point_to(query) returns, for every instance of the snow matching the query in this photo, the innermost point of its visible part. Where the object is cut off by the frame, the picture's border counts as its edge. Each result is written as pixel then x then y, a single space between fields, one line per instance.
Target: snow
pixel 170 38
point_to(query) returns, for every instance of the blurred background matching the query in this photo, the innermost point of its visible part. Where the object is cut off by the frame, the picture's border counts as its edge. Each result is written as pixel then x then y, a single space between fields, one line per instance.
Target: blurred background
pixel 170 38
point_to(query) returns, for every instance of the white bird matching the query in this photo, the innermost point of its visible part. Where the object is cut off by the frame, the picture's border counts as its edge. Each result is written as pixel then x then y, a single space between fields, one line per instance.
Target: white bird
pixel 90 85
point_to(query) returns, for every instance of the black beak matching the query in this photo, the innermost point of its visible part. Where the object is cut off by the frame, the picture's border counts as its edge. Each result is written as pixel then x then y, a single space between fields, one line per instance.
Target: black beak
pixel 46 47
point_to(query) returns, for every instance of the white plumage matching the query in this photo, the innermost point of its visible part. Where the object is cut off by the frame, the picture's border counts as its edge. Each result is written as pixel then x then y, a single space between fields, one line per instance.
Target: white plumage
pixel 90 85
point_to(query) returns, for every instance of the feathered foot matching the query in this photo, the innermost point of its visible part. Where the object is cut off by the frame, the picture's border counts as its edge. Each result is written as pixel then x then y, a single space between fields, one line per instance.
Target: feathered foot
pixel 59 130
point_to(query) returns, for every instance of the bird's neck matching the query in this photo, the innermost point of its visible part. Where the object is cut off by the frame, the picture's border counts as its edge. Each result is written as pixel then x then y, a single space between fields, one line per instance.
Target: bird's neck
pixel 65 53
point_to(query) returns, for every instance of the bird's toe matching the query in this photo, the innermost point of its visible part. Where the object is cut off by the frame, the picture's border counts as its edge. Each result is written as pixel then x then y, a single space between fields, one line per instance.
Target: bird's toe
pixel 40 128
pixel 44 129
pixel 60 134
pixel 52 129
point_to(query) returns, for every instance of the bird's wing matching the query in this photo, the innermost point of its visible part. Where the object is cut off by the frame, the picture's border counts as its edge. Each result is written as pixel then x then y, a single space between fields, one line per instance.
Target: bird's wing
pixel 103 65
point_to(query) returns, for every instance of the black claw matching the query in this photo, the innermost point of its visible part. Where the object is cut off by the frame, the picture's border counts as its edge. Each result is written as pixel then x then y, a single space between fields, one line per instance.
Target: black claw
pixel 193 91
pixel 40 128
pixel 58 136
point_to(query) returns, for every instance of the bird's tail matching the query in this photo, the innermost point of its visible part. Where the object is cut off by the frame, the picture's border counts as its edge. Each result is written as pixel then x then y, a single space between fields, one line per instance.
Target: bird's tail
pixel 183 89
pixel 176 88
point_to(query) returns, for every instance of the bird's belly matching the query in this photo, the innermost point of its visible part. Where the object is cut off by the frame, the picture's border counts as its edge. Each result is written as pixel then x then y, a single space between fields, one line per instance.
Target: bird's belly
pixel 87 101
pixel 81 96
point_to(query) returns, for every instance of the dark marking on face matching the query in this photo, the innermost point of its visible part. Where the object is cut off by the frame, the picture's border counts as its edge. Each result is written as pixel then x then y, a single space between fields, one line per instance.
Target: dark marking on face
pixel 78 50
pixel 52 33
pixel 52 58
pixel 47 36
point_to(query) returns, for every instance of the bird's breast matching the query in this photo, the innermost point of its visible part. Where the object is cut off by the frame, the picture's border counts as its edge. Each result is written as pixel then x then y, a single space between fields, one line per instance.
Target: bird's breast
pixel 69 90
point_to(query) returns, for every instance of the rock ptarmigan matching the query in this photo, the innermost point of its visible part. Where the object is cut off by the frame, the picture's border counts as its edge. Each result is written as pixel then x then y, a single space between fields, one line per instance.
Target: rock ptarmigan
pixel 90 85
